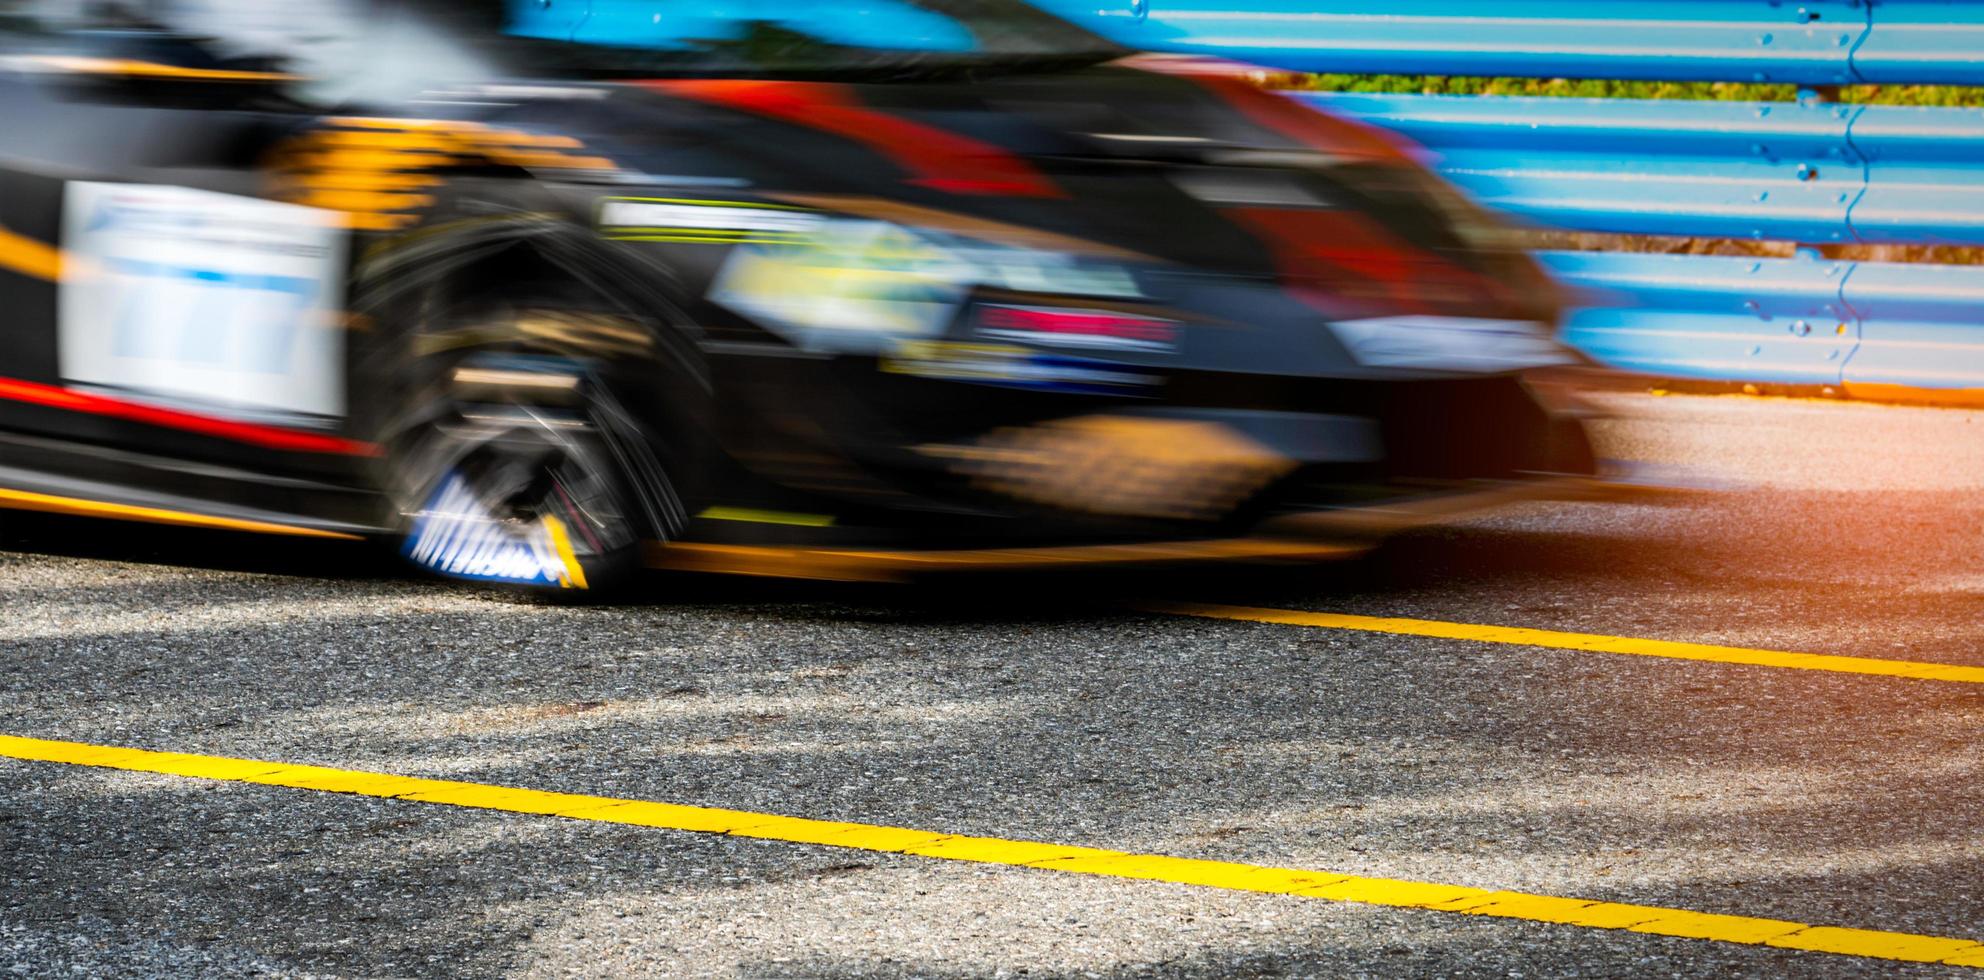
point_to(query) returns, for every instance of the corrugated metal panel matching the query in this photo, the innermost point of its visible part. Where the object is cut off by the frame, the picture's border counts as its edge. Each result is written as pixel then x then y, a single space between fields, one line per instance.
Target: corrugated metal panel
pixel 1813 173
pixel 1923 41
pixel 1716 169
pixel 1873 327
pixel 1808 42
pixel 1922 326
pixel 1925 175
pixel 1712 317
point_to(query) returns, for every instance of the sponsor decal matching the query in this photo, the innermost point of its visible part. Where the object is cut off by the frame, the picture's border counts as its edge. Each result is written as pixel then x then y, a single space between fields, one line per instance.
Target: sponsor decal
pixel 185 295
pixel 455 536
pixel 1103 329
pixel 1450 343
pixel 1017 367
pixel 860 286
pixel 852 285
pixel 658 219
pixel 1023 270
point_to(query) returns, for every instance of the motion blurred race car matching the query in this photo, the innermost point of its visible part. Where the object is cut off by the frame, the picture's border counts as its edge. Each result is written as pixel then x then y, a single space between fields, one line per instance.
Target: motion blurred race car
pixel 545 291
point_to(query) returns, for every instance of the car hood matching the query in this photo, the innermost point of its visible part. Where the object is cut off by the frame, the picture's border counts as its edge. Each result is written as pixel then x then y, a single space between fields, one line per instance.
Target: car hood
pixel 1201 172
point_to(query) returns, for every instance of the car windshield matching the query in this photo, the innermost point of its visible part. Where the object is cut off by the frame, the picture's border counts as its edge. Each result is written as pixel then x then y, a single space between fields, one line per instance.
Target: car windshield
pixel 607 38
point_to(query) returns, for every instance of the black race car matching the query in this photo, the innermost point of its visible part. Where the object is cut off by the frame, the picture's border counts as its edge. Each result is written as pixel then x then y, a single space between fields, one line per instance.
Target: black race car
pixel 545 291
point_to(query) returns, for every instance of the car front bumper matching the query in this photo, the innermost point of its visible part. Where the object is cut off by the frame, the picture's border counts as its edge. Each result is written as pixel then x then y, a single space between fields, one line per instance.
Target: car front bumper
pixel 1320 535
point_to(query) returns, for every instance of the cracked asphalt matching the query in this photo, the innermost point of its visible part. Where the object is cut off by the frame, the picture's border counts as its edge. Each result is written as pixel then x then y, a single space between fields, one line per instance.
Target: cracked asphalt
pixel 1035 709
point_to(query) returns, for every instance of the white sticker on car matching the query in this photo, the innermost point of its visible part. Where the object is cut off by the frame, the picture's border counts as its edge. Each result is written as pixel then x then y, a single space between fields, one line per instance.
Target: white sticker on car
pixel 627 215
pixel 1450 343
pixel 228 302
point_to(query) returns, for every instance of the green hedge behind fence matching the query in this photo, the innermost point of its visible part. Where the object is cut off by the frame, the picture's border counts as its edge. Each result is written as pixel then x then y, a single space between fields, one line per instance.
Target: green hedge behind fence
pixel 1929 95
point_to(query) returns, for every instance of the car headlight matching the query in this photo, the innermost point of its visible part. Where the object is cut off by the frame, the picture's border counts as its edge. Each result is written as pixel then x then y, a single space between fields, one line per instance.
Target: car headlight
pixel 863 287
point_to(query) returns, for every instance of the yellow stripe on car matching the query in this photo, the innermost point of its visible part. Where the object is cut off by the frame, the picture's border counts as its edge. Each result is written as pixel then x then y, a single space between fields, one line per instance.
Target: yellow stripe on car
pixel 78 507
pixel 575 575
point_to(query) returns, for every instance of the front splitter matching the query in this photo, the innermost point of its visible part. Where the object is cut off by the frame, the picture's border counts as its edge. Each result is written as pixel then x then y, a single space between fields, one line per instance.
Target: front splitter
pixel 1307 537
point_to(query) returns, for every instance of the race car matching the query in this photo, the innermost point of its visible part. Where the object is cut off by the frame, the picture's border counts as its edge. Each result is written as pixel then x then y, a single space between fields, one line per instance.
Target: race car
pixel 545 292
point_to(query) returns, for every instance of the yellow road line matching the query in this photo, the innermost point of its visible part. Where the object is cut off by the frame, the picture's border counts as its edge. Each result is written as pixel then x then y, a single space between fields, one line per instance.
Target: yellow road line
pixel 1056 857
pixel 1591 642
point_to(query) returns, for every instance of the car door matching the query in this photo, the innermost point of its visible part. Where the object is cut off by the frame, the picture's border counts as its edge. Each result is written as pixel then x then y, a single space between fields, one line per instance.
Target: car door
pixel 171 331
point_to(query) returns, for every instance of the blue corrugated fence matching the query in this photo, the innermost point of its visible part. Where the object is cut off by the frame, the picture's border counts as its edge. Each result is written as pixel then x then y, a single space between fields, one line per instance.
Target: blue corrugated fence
pixel 1780 321
pixel 1810 172
pixel 1805 172
pixel 1807 42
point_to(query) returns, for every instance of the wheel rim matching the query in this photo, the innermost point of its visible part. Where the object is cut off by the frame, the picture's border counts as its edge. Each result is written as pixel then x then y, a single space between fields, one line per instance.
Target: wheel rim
pixel 515 494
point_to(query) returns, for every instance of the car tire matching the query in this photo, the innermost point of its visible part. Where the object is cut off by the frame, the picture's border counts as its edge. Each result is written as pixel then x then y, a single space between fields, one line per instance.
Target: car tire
pixel 514 464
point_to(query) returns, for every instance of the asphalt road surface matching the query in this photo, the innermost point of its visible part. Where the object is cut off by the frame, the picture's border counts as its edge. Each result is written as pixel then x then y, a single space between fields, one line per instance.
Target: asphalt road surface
pixel 1057 710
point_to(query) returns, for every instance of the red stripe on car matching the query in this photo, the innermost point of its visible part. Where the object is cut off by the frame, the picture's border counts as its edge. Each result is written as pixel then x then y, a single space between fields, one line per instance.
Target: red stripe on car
pixel 1348 257
pixel 1305 125
pixel 941 160
pixel 266 436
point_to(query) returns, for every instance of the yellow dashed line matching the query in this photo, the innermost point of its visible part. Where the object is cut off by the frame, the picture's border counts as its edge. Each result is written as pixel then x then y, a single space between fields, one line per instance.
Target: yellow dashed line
pixel 1590 642
pixel 1055 857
